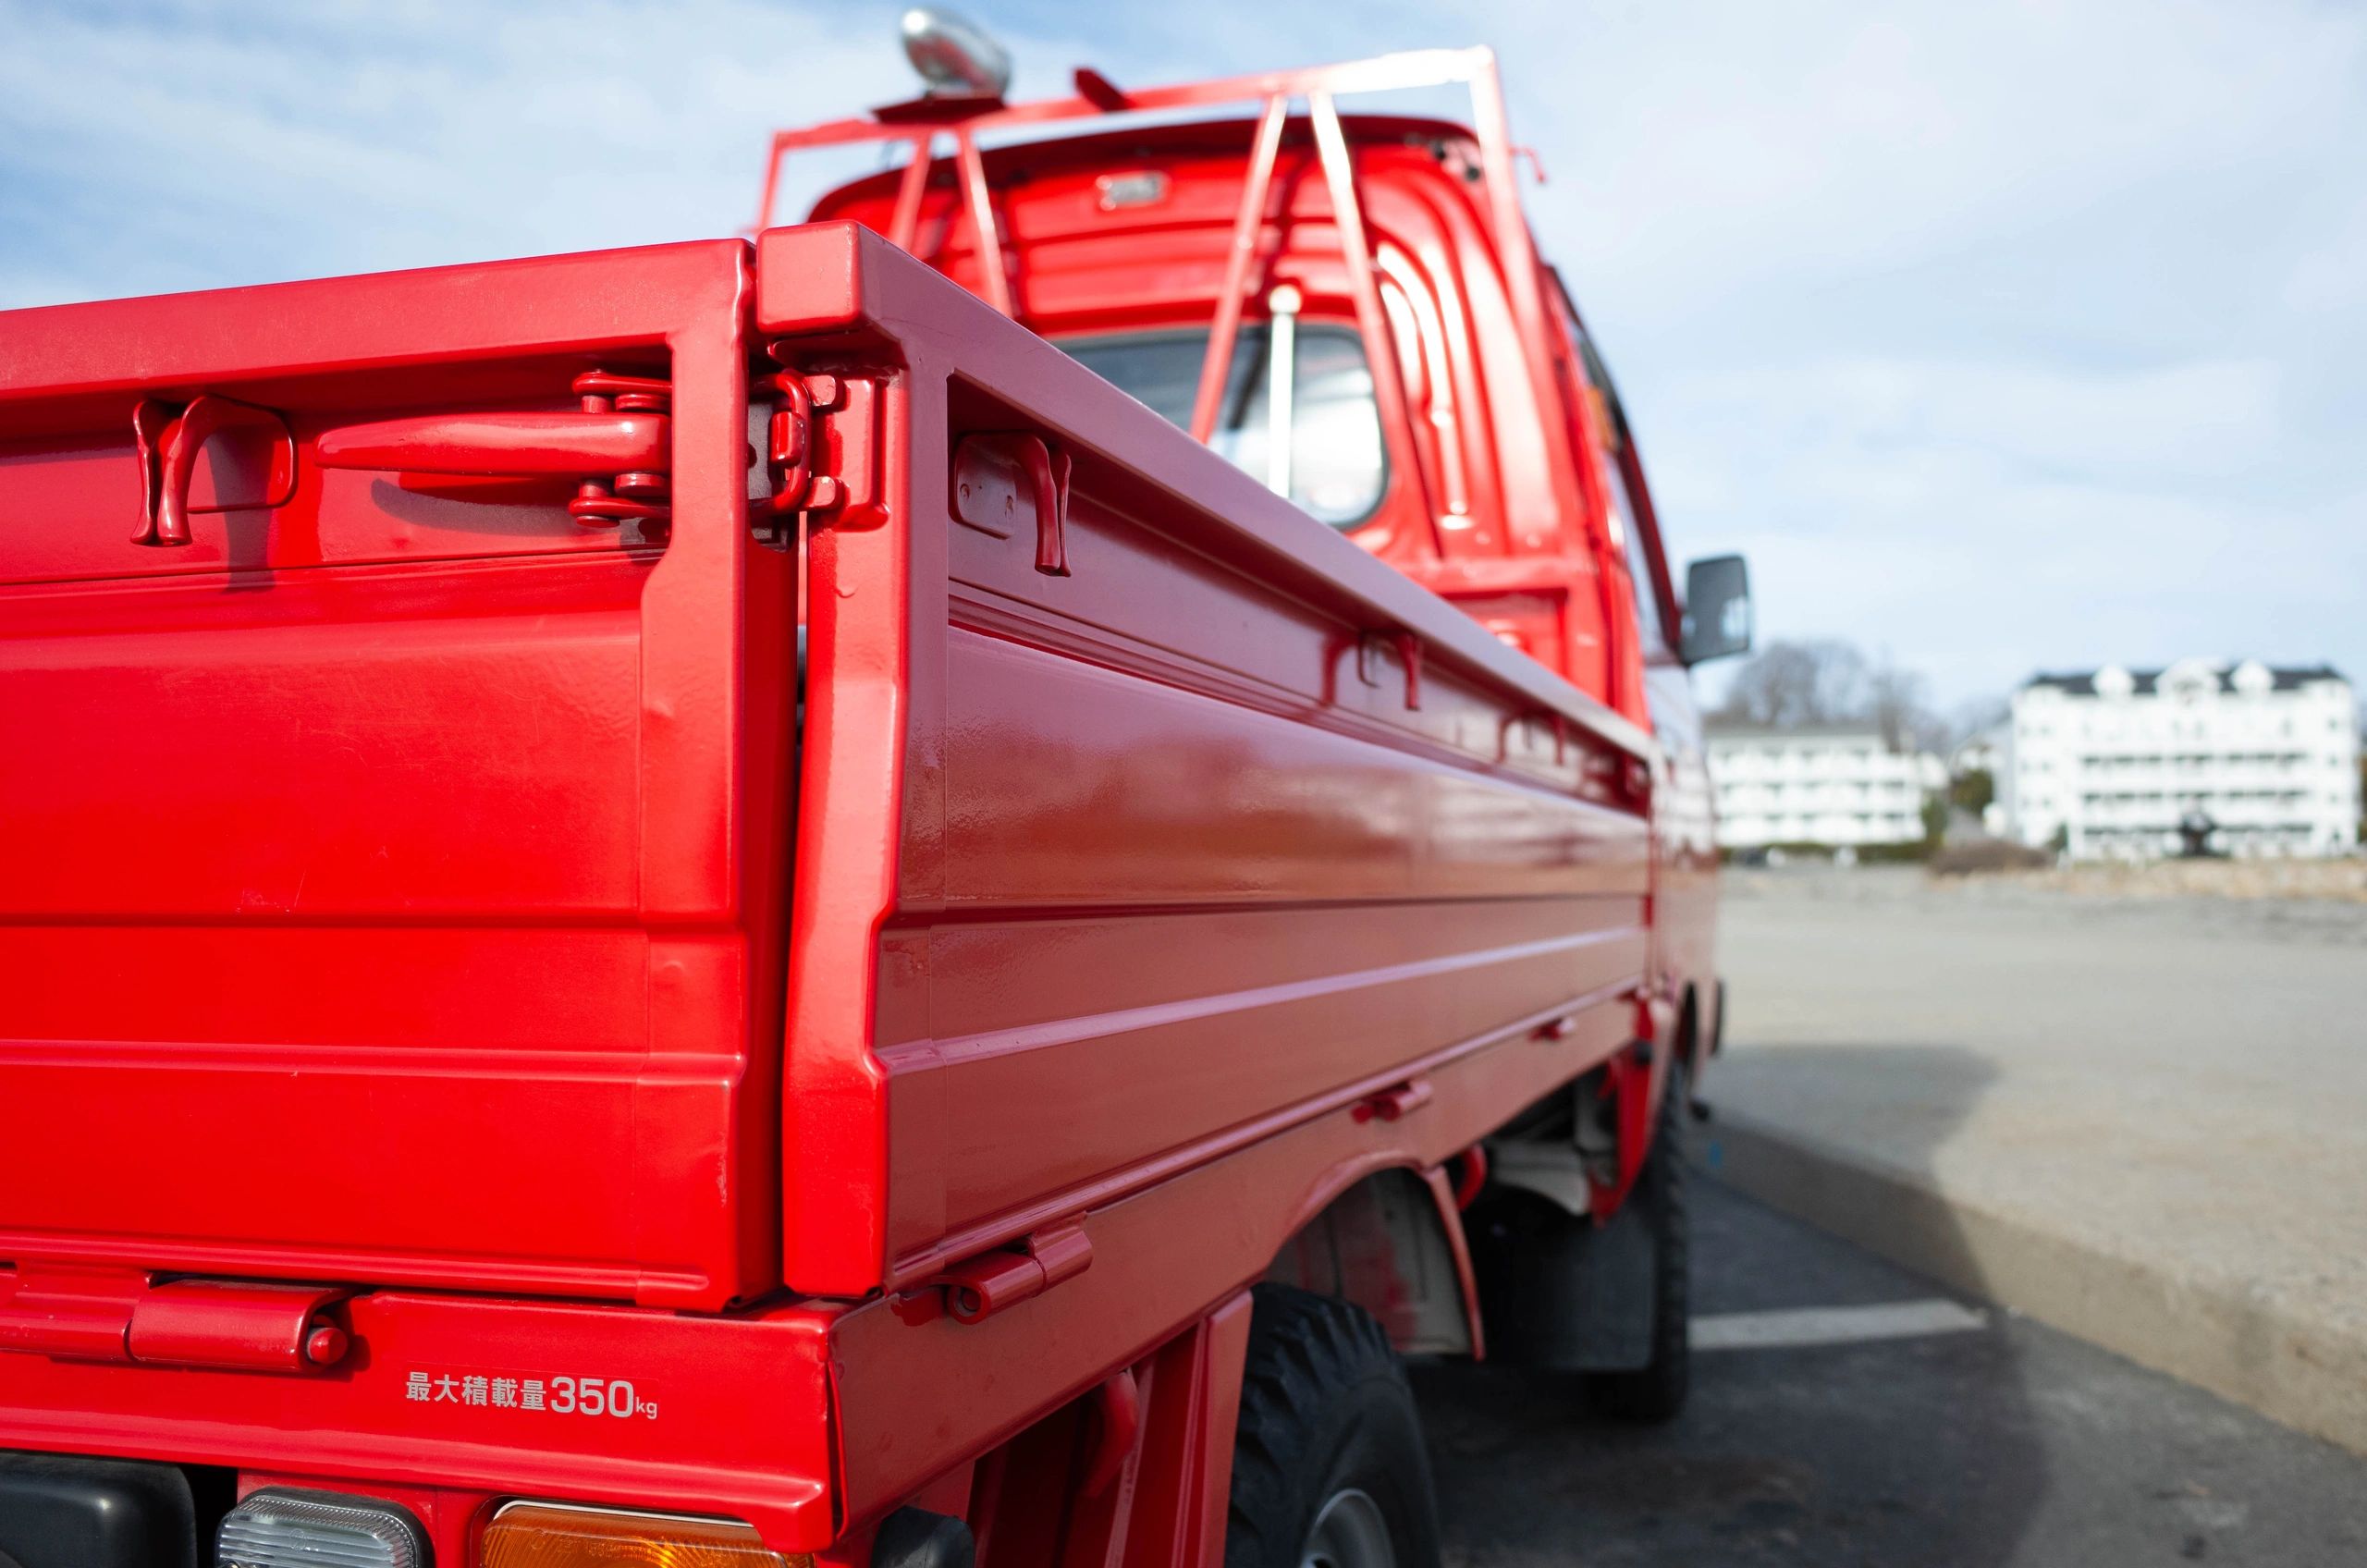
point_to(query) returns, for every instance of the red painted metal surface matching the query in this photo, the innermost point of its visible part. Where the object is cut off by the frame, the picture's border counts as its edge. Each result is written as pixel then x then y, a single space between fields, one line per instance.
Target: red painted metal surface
pixel 1118 1419
pixel 389 861
pixel 795 999
pixel 796 1418
pixel 1079 964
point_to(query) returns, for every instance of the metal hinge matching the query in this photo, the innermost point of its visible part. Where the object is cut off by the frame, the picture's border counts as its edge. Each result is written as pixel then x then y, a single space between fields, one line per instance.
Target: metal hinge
pixel 1396 1103
pixel 78 1314
pixel 821 446
pixel 978 1288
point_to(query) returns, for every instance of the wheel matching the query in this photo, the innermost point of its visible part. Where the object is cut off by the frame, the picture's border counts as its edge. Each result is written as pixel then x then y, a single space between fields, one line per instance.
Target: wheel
pixel 1329 1469
pixel 1655 1391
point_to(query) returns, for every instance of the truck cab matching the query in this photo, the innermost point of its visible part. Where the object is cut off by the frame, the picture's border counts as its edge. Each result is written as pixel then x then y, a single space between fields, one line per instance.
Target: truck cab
pixel 1383 367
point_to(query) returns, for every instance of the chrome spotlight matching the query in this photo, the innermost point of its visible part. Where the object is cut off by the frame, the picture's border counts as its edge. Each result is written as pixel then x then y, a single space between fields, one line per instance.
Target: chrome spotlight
pixel 955 58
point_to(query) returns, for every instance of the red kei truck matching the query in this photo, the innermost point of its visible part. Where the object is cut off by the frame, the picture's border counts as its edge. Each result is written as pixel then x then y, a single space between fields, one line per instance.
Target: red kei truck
pixel 709 906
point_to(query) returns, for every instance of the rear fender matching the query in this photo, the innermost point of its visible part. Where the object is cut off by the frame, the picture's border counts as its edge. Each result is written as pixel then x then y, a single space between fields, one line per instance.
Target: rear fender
pixel 1392 1241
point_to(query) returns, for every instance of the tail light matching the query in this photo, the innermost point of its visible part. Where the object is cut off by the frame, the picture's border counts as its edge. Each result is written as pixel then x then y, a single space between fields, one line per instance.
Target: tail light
pixel 280 1528
pixel 542 1535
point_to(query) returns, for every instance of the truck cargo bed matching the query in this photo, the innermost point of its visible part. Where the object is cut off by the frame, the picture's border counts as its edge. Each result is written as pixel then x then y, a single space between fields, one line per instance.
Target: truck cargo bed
pixel 400 887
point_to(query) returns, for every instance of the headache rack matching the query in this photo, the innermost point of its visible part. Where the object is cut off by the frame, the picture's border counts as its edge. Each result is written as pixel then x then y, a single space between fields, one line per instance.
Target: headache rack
pixel 963 117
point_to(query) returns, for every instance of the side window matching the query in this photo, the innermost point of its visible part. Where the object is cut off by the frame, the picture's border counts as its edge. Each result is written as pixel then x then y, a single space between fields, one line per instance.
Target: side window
pixel 1634 549
pixel 1633 552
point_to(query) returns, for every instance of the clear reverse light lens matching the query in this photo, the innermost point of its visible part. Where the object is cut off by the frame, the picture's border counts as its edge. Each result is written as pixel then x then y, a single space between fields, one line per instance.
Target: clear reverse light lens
pixel 278 1527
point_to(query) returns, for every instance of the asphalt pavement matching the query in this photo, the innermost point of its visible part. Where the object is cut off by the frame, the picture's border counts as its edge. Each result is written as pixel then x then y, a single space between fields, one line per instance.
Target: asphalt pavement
pixel 1862 1415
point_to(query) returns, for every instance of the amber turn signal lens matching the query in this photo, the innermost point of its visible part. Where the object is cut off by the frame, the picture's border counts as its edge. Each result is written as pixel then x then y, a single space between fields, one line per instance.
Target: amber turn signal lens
pixel 533 1534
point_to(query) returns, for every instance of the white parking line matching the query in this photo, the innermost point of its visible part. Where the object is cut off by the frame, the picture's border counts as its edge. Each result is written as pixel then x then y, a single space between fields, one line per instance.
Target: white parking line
pixel 1833 1325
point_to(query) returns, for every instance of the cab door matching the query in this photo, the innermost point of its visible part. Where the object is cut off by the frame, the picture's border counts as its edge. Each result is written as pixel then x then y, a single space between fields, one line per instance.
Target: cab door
pixel 1685 838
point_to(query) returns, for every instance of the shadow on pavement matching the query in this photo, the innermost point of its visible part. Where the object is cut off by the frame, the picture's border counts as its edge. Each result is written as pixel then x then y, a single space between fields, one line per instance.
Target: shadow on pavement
pixel 1898 1453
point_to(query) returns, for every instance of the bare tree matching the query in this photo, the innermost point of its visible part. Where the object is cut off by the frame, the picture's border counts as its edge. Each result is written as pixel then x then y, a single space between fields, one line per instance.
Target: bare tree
pixel 1898 702
pixel 1826 680
pixel 1976 717
pixel 1819 680
pixel 1900 705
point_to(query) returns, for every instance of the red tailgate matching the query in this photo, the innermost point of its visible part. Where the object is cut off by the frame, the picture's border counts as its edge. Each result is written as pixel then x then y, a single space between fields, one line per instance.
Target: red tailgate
pixel 382 897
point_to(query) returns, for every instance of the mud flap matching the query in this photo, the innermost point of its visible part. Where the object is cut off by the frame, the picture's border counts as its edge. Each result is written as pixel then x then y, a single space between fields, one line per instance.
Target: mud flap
pixel 1558 1291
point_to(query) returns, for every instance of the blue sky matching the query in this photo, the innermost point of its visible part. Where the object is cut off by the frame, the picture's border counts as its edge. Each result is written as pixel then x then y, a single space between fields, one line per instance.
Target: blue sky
pixel 2001 335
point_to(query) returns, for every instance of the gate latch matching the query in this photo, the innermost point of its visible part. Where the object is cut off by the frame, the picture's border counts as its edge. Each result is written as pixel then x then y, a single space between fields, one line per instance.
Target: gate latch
pixel 618 443
pixel 1002 480
pixel 821 447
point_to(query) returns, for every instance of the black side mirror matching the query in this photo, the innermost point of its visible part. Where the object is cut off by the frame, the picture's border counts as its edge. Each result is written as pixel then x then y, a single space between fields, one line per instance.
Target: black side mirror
pixel 1717 610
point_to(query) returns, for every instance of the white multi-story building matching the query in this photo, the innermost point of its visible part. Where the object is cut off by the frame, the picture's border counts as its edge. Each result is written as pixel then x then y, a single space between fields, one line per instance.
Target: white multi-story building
pixel 2114 759
pixel 1830 784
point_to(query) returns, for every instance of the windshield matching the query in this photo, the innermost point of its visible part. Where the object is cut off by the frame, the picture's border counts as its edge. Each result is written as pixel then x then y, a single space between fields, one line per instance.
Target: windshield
pixel 1337 468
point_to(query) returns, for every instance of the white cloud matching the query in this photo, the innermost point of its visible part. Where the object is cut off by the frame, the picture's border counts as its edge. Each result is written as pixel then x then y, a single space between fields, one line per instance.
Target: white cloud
pixel 2003 335
pixel 1829 142
pixel 217 143
pixel 2147 427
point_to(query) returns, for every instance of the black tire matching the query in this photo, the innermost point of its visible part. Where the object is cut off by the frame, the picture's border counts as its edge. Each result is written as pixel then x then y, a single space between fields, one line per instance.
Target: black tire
pixel 1325 1411
pixel 1655 1391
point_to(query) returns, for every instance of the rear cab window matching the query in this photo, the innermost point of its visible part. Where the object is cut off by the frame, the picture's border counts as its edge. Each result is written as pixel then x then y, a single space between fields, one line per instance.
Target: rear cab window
pixel 1338 467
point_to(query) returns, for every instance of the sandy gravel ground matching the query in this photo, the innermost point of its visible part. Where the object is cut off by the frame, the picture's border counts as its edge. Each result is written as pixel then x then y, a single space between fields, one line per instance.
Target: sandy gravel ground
pixel 2178 1083
pixel 2341 880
